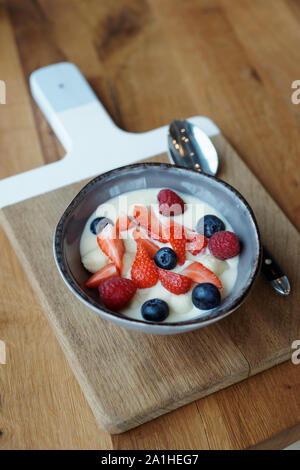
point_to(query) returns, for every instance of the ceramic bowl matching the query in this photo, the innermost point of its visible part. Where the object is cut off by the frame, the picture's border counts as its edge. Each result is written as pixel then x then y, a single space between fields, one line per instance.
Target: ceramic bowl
pixel 211 190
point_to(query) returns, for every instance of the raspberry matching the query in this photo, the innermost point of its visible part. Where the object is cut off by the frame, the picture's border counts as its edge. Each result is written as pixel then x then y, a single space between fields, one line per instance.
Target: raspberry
pixel 170 203
pixel 175 283
pixel 116 292
pixel 224 245
pixel 143 271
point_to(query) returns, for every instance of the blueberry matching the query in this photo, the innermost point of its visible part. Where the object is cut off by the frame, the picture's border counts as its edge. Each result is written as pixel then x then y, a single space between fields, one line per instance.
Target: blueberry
pixel 98 224
pixel 155 310
pixel 166 258
pixel 210 224
pixel 206 296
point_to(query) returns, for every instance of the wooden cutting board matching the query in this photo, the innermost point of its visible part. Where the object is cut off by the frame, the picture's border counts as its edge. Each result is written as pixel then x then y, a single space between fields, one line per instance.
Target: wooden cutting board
pixel 129 378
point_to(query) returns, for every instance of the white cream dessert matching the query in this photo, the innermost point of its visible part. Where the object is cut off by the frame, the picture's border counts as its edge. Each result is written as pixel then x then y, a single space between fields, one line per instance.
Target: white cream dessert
pixel 182 306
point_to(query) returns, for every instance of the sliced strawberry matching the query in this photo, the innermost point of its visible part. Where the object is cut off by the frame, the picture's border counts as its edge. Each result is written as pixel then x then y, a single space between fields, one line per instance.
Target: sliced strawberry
pixel 189 234
pixel 197 272
pixel 143 271
pixel 150 246
pixel 111 245
pixel 104 273
pixel 197 244
pixel 178 242
pixel 147 219
pixel 169 224
pixel 124 223
pixel 175 283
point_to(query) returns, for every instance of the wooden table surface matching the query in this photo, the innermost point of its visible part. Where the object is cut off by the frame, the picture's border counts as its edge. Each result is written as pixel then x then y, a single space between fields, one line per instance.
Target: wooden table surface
pixel 149 61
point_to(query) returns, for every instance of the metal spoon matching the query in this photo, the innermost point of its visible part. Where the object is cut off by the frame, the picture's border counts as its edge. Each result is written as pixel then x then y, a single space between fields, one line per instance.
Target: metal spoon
pixel 190 147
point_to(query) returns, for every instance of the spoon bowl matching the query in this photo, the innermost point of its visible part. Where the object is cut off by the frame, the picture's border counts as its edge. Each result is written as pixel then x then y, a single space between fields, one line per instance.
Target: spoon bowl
pixel 190 147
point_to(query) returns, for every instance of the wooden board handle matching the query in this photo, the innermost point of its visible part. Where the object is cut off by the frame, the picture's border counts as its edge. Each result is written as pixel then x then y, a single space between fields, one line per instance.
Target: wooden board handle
pixel 63 94
pixel 94 144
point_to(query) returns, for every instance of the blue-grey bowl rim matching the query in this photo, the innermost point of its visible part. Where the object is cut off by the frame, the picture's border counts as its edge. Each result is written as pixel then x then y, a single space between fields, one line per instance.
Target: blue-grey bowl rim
pixel 91 303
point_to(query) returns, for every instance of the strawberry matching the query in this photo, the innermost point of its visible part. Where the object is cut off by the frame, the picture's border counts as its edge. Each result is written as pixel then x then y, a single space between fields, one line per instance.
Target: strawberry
pixel 197 272
pixel 150 247
pixel 104 273
pixel 170 203
pixel 175 283
pixel 143 271
pixel 116 292
pixel 123 223
pixel 169 224
pixel 146 218
pixel 178 242
pixel 197 243
pixel 111 245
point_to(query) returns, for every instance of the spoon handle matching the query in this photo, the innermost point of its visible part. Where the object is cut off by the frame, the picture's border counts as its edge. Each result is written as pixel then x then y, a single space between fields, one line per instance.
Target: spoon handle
pixel 274 274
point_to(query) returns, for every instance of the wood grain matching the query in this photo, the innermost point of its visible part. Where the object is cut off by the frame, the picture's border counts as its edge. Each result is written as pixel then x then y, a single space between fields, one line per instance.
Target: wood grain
pixel 146 80
pixel 155 374
pixel 159 374
pixel 257 114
